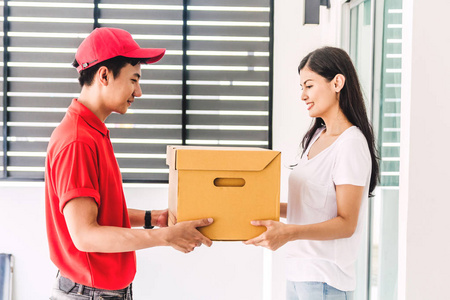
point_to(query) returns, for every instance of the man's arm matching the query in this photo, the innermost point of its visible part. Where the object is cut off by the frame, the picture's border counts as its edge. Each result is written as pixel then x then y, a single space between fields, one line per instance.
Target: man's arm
pixel 88 236
pixel 137 217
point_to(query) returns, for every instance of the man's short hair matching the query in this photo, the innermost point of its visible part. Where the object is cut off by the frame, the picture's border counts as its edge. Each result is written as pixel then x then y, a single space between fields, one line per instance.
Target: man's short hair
pixel 115 64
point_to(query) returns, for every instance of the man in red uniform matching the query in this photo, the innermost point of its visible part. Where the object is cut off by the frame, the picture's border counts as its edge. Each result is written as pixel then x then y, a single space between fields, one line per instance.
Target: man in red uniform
pixel 88 223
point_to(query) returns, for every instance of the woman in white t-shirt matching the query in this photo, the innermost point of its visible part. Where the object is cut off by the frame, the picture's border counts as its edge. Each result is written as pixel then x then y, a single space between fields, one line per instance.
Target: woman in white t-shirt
pixel 330 186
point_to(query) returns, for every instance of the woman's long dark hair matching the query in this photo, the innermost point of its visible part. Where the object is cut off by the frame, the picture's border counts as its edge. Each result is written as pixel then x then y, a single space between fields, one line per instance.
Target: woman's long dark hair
pixel 328 62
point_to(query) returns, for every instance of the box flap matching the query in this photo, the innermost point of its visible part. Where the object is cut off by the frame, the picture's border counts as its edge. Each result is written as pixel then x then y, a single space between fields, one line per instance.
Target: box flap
pixel 170 156
pixel 225 159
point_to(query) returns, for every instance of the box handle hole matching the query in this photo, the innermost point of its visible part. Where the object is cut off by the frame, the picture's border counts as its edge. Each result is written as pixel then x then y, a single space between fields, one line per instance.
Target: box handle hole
pixel 229 182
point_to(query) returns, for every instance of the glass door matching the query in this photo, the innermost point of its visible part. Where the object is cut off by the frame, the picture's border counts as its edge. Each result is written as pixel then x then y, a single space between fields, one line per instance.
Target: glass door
pixel 386 95
pixel 357 40
pixel 372 34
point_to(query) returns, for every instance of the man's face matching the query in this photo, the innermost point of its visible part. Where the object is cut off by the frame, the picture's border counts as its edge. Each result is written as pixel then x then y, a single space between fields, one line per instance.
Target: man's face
pixel 122 90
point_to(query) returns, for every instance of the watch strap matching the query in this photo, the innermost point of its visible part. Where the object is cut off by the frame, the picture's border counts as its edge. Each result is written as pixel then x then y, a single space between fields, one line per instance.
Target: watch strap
pixel 148 220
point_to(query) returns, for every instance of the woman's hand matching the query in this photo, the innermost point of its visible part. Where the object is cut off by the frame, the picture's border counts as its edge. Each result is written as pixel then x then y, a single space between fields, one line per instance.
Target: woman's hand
pixel 273 238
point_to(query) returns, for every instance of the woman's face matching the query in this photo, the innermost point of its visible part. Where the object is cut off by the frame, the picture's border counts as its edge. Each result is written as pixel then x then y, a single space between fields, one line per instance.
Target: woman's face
pixel 320 95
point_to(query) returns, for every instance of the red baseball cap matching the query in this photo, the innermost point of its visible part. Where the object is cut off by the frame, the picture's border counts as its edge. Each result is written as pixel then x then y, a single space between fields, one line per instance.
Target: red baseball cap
pixel 105 43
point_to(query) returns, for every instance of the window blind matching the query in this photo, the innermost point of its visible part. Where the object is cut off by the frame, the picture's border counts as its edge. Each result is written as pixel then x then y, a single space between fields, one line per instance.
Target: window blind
pixel 213 86
pixel 391 95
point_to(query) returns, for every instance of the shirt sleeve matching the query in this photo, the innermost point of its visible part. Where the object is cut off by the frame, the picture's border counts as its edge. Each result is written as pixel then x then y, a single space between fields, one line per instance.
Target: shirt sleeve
pixel 353 163
pixel 75 173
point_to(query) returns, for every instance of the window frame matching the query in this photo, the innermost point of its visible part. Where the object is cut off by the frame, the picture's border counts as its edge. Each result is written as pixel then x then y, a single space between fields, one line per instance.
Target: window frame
pixel 6 176
pixel 383 208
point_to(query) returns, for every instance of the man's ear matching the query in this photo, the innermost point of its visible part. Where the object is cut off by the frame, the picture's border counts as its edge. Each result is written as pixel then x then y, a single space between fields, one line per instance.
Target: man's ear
pixel 102 75
pixel 339 82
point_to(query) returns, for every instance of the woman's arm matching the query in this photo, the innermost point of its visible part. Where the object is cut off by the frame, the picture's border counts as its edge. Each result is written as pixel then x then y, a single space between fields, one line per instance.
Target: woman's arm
pixel 283 210
pixel 348 198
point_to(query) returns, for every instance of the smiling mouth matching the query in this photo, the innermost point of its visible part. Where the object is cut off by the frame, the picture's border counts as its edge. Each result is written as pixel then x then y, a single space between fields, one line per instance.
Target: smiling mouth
pixel 309 105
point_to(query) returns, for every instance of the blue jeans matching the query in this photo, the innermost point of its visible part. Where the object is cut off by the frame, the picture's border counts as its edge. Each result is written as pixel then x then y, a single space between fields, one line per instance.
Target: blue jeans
pixel 314 291
pixel 66 289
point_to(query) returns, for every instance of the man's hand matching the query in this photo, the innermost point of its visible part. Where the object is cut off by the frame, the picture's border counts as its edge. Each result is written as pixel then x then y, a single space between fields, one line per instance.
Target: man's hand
pixel 184 236
pixel 273 238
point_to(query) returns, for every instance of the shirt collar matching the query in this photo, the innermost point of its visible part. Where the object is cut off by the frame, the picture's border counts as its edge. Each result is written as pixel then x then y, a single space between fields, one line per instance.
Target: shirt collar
pixel 87 115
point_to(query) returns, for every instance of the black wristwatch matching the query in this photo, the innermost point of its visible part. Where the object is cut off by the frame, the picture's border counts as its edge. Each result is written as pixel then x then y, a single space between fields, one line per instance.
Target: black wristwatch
pixel 148 220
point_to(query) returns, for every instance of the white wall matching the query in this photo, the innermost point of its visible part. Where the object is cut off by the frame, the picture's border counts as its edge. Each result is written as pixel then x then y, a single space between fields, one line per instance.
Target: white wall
pixel 292 42
pixel 424 243
pixel 228 270
pixel 22 233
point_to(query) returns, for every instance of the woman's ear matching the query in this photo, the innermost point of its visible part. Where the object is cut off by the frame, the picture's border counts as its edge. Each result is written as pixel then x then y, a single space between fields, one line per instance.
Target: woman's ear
pixel 339 82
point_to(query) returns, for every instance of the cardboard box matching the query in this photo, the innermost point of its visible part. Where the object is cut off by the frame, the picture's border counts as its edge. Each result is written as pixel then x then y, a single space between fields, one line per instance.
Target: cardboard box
pixel 231 185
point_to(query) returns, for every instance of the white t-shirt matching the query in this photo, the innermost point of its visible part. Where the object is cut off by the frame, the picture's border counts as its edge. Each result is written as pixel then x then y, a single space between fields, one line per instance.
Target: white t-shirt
pixel 312 199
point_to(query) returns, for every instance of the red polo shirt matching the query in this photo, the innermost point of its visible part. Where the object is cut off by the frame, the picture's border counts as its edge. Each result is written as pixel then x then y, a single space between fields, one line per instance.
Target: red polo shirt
pixel 81 163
